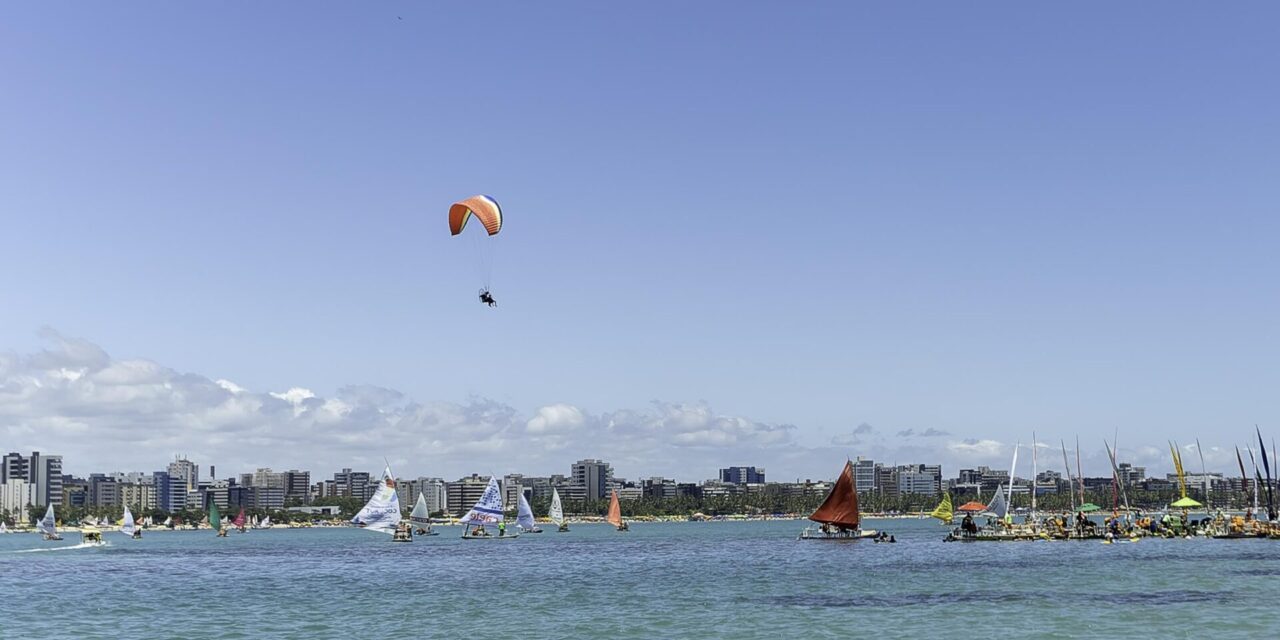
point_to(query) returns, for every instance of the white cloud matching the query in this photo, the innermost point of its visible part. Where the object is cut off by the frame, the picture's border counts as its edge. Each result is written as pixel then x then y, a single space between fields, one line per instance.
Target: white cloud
pixel 105 414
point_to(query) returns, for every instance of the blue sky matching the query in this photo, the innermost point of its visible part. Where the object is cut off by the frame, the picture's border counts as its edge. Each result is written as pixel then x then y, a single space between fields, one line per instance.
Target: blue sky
pixel 981 220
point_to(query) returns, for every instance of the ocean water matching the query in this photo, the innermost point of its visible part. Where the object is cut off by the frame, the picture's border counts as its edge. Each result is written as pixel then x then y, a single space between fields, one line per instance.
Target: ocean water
pixel 672 580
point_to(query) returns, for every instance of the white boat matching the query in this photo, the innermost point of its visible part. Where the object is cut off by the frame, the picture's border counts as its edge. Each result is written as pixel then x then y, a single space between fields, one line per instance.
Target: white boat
pixel 524 516
pixel 168 523
pixel 557 512
pixel 487 511
pixel 264 523
pixel 48 525
pixel 382 512
pixel 128 527
pixel 4 528
pixel 420 518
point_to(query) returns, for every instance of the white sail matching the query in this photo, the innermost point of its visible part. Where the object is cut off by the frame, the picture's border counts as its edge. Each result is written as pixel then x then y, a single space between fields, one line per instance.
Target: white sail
pixel 3 528
pixel 998 505
pixel 382 513
pixel 1013 469
pixel 488 509
pixel 557 512
pixel 128 527
pixel 420 516
pixel 265 523
pixel 47 523
pixel 168 522
pixel 524 514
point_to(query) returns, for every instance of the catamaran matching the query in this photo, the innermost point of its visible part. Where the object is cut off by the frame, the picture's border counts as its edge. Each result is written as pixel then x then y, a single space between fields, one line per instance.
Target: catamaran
pixel 47 525
pixel 487 511
pixel 615 513
pixel 557 512
pixel 128 527
pixel 838 514
pixel 382 512
pixel 421 518
pixel 524 516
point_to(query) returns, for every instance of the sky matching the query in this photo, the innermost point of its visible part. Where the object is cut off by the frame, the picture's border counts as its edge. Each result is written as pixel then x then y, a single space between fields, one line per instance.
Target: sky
pixel 735 233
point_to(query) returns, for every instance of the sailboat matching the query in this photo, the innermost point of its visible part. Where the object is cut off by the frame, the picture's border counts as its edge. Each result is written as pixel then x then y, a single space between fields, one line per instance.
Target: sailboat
pixel 524 516
pixel 382 512
pixel 4 528
pixel 838 514
pixel 168 522
pixel 128 527
pixel 487 510
pixel 48 525
pixel 239 522
pixel 264 523
pixel 557 512
pixel 615 513
pixel 943 511
pixel 215 519
pixel 421 518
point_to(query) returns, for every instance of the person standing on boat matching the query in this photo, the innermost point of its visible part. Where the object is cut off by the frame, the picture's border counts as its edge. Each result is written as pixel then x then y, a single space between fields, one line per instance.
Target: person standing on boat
pixel 502 528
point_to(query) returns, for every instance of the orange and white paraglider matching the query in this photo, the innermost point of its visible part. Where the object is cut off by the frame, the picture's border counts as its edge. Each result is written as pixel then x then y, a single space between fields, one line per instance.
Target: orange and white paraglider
pixel 487 211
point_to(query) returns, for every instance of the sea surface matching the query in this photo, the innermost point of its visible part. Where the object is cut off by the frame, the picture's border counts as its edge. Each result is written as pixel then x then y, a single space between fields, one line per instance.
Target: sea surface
pixel 738 580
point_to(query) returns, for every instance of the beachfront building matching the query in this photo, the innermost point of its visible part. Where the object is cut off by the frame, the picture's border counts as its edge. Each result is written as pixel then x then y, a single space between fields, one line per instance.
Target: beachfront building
pixel 464 492
pixel 42 471
pixel 297 486
pixel 658 488
pixel 864 474
pixel 742 475
pixel 15 496
pixel 593 476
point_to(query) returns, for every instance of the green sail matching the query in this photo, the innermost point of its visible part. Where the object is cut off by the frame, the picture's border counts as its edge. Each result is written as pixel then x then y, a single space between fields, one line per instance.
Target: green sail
pixel 215 518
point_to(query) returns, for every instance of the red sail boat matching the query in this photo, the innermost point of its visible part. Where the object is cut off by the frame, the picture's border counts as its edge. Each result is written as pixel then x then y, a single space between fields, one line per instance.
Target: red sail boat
pixel 839 512
pixel 615 513
pixel 239 521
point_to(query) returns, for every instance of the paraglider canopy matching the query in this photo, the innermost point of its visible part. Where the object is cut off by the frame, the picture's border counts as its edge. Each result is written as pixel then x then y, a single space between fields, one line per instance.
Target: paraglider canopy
pixel 484 208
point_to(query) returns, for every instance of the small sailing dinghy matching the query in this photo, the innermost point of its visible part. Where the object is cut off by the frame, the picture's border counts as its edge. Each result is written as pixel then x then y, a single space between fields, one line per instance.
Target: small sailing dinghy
pixel 838 514
pixel 215 519
pixel 524 516
pixel 48 525
pixel 557 512
pixel 615 513
pixel 129 527
pixel 420 518
pixel 382 512
pixel 240 521
pixel 944 512
pixel 487 511
pixel 264 523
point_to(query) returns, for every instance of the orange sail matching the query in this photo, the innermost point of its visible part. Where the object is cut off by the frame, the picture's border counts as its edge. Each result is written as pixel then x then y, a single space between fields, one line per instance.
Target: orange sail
pixel 841 506
pixel 615 511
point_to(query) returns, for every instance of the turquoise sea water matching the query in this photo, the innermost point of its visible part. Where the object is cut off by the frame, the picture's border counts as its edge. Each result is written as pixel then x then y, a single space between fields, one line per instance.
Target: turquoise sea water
pixel 675 580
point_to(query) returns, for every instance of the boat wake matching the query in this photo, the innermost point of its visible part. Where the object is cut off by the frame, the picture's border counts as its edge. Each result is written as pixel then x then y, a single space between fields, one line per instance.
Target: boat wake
pixel 82 545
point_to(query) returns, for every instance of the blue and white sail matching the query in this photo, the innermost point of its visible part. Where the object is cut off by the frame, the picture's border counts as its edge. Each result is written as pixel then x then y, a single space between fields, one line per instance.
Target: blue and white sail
pixel 46 525
pixel 488 509
pixel 524 514
pixel 382 512
pixel 128 527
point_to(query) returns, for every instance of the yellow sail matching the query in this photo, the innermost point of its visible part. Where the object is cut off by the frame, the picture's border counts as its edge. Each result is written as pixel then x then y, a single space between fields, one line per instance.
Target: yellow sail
pixel 944 511
pixel 1177 466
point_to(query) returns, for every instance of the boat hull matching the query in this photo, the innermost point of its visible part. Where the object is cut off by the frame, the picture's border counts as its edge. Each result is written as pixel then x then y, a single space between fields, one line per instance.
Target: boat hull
pixel 851 536
pixel 506 537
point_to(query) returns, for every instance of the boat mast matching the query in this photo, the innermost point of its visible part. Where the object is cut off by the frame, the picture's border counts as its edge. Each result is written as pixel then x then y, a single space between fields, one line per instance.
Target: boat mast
pixel 1204 478
pixel 1067 464
pixel 1012 469
pixel 1034 472
pixel 1079 473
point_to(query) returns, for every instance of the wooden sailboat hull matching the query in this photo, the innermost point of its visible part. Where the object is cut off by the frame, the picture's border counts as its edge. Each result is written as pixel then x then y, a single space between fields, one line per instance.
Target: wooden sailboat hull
pixel 852 536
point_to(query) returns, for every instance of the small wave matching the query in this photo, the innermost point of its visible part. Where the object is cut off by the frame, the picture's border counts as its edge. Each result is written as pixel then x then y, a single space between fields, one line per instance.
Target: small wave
pixel 82 545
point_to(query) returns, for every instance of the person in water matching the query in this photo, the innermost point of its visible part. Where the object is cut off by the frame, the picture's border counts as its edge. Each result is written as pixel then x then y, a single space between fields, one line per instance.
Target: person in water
pixel 487 298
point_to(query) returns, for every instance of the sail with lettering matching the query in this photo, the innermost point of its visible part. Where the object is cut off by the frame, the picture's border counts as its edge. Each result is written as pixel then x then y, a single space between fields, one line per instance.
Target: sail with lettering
pixel 382 512
pixel 524 514
pixel 488 509
pixel 999 505
pixel 841 506
pixel 48 524
pixel 557 511
pixel 420 517
pixel 615 513
pixel 128 527
pixel 944 512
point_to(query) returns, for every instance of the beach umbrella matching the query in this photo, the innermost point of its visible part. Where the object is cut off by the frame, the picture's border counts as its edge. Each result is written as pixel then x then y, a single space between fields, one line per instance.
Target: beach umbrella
pixel 1089 507
pixel 972 507
pixel 1185 503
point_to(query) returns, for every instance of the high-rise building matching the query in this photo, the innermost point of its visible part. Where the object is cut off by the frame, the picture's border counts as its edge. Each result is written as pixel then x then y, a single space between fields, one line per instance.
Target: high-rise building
pixel 864 475
pixel 593 476
pixel 353 484
pixel 742 475
pixel 13 467
pixel 658 488
pixel 42 471
pixel 297 485
pixel 15 496
pixel 464 493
